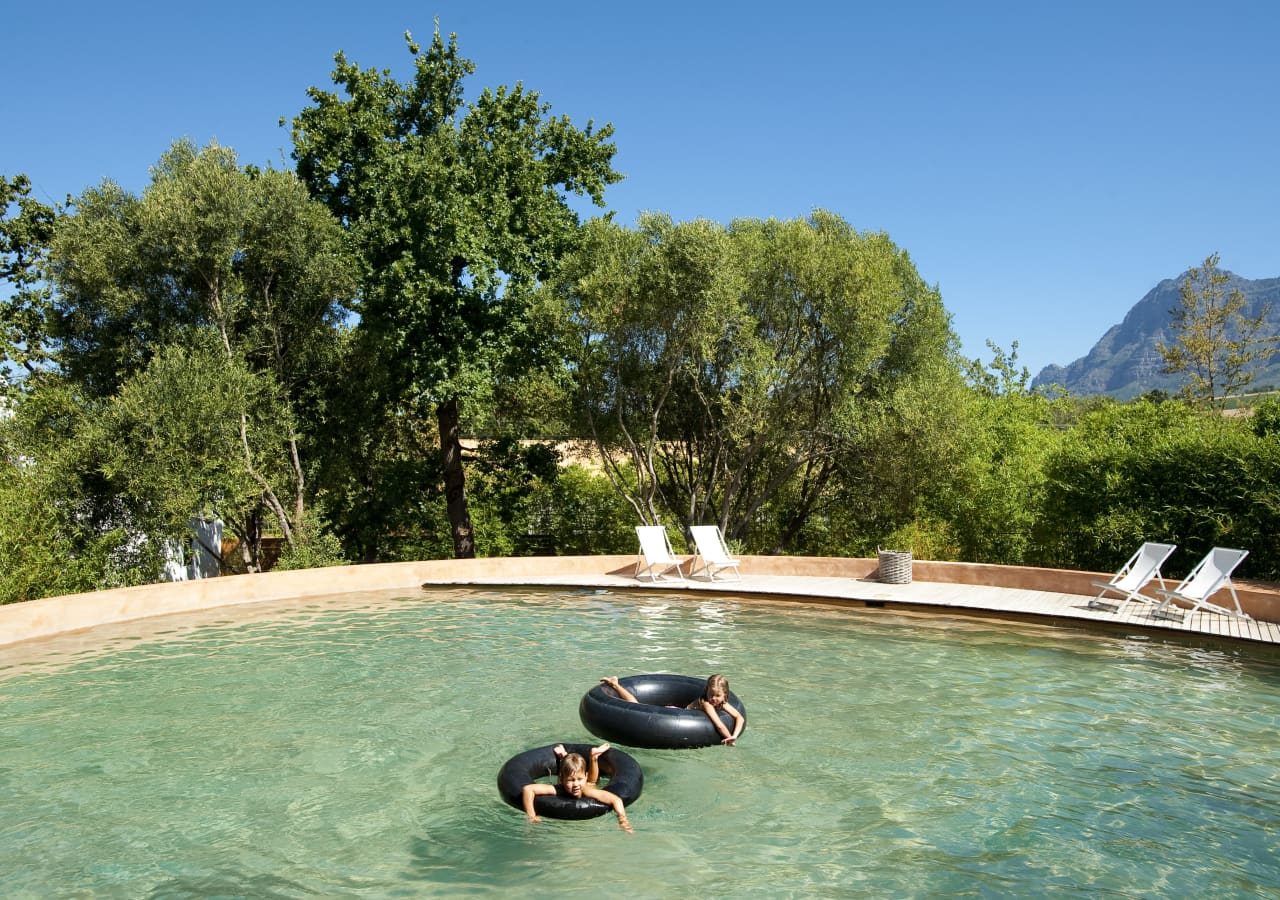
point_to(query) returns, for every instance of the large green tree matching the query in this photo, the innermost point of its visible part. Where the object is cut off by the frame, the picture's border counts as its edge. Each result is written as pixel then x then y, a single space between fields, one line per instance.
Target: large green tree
pixel 740 370
pixel 651 305
pixel 849 335
pixel 238 276
pixel 456 209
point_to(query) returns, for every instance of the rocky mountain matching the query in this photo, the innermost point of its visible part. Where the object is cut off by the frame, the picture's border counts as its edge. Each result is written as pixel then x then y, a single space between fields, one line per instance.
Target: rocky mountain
pixel 1125 362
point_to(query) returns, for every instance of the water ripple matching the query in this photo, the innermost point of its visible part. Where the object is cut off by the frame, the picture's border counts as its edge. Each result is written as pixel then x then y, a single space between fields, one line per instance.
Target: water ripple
pixel 350 745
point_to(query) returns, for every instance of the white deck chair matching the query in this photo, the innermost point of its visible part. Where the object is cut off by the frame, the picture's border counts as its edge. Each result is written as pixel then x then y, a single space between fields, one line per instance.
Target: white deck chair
pixel 1209 576
pixel 1133 576
pixel 712 551
pixel 656 556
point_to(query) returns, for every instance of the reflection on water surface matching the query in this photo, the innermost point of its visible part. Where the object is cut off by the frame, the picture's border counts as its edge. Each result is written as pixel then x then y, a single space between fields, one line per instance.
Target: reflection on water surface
pixel 350 746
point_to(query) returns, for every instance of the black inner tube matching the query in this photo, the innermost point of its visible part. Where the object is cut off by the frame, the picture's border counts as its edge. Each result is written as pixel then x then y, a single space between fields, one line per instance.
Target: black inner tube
pixel 625 779
pixel 659 720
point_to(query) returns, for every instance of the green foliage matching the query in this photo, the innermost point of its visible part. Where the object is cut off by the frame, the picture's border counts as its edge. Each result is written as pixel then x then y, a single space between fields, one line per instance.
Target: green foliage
pixel 1013 442
pixel 994 496
pixel 1136 472
pixel 904 445
pixel 1002 376
pixel 1265 420
pixel 585 515
pixel 504 476
pixel 732 372
pixel 171 437
pixel 64 527
pixel 381 477
pixel 925 537
pixel 530 505
pixel 652 307
pixel 313 547
pixel 24 245
pixel 210 309
pixel 947 469
pixel 456 210
pixel 524 503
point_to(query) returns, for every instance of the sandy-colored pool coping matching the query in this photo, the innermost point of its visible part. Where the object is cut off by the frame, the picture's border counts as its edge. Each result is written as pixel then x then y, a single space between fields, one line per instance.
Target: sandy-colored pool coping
pixel 999 590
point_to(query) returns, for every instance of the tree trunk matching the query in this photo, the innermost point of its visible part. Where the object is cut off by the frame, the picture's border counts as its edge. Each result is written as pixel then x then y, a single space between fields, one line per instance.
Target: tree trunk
pixel 455 489
pixel 250 541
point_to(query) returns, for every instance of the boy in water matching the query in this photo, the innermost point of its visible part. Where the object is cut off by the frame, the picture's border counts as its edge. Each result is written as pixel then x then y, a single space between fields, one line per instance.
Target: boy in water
pixel 576 780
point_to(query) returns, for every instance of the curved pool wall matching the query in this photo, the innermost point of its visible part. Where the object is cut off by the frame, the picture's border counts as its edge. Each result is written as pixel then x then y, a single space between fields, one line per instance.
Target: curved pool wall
pixel 74 612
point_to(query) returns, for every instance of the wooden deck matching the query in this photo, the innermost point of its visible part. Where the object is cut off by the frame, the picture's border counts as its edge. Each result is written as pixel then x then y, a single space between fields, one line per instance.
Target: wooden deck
pixel 1073 609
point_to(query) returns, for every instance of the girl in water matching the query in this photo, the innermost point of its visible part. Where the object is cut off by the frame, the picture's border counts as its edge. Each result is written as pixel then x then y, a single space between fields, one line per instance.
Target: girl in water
pixel 712 702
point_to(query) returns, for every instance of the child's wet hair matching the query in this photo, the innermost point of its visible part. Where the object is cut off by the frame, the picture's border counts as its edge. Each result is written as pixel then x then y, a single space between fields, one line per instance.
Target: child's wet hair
pixel 716 682
pixel 571 765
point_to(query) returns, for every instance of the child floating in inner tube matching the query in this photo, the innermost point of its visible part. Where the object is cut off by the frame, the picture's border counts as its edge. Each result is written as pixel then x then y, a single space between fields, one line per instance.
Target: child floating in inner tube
pixel 712 701
pixel 576 780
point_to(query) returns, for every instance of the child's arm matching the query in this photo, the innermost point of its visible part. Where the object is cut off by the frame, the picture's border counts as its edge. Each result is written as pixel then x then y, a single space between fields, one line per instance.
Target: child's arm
pixel 714 715
pixel 613 800
pixel 535 789
pixel 622 692
pixel 738 722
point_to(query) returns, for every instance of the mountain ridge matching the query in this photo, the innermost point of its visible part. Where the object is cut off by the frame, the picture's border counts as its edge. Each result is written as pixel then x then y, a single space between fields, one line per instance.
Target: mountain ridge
pixel 1125 361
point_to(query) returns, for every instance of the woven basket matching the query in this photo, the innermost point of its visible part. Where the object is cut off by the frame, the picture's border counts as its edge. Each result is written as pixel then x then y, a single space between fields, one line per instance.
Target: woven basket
pixel 895 566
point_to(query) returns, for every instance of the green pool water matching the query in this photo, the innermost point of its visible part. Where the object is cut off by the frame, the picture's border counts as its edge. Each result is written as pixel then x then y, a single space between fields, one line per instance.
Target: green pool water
pixel 349 747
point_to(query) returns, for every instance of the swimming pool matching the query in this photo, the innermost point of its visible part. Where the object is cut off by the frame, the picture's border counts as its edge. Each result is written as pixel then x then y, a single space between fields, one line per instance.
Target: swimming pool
pixel 351 745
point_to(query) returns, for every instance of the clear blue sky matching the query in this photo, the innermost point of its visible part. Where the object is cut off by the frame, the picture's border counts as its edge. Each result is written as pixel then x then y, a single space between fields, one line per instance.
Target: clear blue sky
pixel 1045 164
